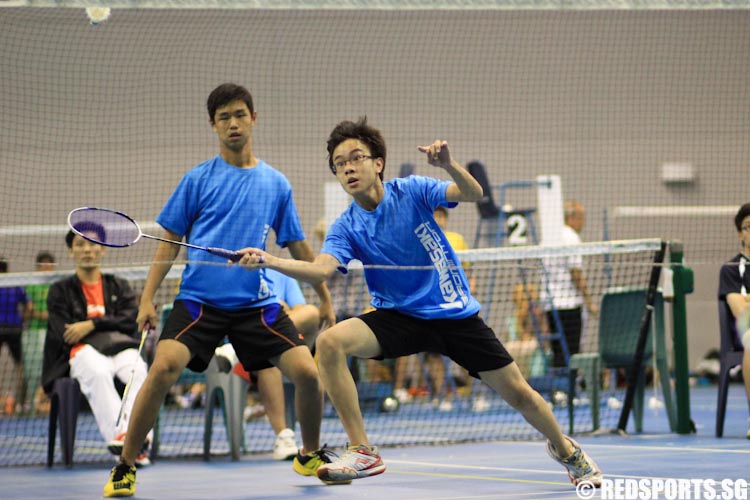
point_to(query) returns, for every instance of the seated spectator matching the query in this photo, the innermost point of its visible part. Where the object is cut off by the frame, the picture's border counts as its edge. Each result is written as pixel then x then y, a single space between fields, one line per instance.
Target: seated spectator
pixel 92 337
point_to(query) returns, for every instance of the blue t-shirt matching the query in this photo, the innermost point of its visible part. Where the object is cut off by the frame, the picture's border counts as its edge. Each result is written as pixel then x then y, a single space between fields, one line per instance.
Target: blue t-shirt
pixel 219 205
pixel 285 288
pixel 11 300
pixel 402 231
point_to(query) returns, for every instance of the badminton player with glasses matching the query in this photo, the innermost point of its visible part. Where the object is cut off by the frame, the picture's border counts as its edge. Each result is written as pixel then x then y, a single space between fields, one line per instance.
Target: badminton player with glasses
pixel 230 201
pixel 426 307
pixel 92 337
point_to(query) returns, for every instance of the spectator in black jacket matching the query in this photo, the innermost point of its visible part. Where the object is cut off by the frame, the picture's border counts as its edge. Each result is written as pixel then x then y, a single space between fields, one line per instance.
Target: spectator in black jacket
pixel 92 337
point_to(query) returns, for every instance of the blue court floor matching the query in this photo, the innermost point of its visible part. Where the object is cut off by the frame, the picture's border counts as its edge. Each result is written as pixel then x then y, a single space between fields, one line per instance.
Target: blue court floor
pixel 495 470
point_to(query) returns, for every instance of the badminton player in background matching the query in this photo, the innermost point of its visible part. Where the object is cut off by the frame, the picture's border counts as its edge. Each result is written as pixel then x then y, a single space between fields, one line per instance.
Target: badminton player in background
pixel 92 337
pixel 232 200
pixel 429 309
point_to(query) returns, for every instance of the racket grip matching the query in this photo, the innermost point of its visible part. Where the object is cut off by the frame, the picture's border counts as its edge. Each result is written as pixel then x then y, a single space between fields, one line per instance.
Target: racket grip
pixel 228 254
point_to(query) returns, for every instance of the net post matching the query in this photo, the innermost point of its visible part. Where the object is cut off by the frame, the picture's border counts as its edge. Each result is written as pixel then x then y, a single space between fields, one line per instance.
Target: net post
pixel 642 337
pixel 682 279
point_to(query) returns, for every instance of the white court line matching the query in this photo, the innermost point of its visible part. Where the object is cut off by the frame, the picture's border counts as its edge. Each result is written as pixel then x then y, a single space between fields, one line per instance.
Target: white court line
pixel 691 449
pixel 556 470
pixel 617 448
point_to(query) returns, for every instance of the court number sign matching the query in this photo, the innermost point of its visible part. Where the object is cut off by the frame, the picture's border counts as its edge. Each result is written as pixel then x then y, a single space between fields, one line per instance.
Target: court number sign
pixel 517 228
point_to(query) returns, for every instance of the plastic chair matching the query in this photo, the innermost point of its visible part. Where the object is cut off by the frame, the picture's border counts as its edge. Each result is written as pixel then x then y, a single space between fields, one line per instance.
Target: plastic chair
pixel 230 391
pixel 730 356
pixel 406 169
pixel 489 213
pixel 65 401
pixel 591 366
pixel 620 318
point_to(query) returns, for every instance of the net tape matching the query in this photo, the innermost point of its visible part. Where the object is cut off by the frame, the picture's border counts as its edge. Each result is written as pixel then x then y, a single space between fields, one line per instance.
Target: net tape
pixel 483 255
pixel 393 4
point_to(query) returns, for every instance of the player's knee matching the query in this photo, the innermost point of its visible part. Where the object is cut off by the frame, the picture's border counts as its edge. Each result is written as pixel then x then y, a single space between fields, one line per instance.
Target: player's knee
pixel 328 345
pixel 165 370
pixel 306 378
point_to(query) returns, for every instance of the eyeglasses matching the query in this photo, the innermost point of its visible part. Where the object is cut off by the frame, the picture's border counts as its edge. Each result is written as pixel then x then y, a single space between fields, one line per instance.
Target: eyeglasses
pixel 355 160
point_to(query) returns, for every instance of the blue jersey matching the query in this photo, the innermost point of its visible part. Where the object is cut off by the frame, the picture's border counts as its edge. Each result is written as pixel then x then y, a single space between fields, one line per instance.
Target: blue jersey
pixel 219 205
pixel 285 288
pixel 401 231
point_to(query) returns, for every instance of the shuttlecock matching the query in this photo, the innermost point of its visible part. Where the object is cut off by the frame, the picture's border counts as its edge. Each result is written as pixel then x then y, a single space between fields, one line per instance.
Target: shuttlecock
pixel 98 15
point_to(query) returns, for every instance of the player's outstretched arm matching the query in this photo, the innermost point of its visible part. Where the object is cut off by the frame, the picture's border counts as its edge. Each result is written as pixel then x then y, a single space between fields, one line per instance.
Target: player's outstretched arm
pixel 301 250
pixel 465 187
pixel 314 272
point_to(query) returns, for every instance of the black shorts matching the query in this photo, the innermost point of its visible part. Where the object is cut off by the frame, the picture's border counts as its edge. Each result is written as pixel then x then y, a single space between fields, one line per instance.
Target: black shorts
pixel 257 334
pixel 469 341
pixel 11 335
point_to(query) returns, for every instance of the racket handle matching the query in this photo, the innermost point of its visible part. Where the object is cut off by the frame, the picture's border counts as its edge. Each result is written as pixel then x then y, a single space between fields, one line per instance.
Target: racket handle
pixel 223 252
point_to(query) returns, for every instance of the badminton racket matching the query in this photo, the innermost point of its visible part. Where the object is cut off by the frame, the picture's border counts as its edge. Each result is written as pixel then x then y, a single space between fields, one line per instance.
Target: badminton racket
pixel 118 230
pixel 144 334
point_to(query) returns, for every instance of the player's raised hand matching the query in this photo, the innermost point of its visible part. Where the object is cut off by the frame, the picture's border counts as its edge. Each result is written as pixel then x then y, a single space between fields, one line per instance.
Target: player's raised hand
pixel 438 154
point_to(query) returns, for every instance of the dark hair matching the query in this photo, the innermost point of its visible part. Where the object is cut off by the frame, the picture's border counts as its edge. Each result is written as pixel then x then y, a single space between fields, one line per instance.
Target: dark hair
pixel 360 130
pixel 86 226
pixel 3 265
pixel 226 93
pixel 743 212
pixel 44 256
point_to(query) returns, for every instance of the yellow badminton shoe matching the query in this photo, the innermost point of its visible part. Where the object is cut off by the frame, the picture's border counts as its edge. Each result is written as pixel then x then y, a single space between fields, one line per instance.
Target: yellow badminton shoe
pixel 121 481
pixel 308 464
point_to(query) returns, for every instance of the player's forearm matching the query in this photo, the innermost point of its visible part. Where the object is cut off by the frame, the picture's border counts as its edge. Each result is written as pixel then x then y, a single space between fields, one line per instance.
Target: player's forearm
pixel 310 272
pixel 468 187
pixel 322 290
pixel 165 255
pixel 302 251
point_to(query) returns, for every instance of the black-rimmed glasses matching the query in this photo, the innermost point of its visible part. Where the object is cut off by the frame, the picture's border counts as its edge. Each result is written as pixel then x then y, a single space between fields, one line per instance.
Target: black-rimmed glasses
pixel 355 160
